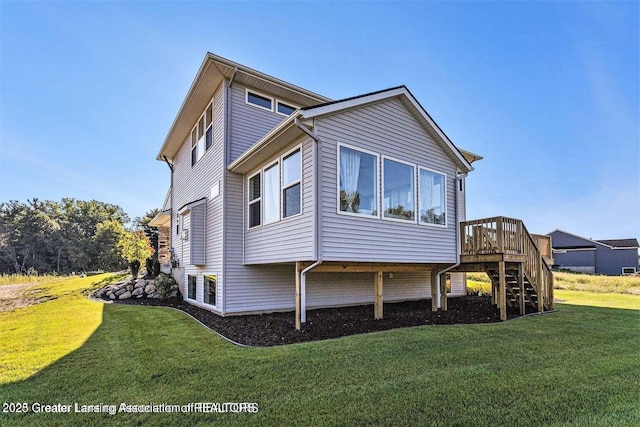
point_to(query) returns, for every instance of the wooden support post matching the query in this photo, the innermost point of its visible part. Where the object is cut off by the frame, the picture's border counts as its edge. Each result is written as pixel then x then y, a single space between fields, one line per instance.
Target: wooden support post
pixel 521 287
pixel 378 302
pixel 434 291
pixel 298 297
pixel 502 291
pixel 541 289
pixel 550 303
pixel 443 292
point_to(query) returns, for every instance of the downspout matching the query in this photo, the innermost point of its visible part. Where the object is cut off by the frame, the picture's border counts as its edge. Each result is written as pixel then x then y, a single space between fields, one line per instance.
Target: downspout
pixel 316 223
pixel 457 216
pixel 170 215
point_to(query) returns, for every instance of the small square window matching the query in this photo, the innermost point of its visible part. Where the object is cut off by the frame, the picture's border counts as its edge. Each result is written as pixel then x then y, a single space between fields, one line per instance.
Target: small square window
pixel 210 284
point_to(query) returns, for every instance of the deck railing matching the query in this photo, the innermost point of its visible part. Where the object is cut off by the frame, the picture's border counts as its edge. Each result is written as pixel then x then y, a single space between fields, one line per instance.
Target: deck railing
pixel 501 235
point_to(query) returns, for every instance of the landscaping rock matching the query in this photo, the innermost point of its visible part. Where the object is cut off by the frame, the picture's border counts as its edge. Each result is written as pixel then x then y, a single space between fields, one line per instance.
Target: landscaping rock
pixel 141 283
pixel 120 292
pixel 112 296
pixel 126 295
pixel 149 289
pixel 129 287
pixel 137 292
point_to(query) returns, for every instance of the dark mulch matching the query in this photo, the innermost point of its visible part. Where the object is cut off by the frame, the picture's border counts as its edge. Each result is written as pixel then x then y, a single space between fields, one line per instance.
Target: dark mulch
pixel 279 328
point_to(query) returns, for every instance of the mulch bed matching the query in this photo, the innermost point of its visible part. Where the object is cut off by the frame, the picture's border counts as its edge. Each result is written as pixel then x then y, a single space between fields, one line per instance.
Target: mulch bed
pixel 279 328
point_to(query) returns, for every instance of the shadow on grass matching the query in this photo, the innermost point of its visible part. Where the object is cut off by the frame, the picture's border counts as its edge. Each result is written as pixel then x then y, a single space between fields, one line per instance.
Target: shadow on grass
pixel 492 374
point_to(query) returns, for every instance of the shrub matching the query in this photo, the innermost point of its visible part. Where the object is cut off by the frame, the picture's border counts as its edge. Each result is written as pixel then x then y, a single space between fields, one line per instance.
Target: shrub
pixel 164 285
pixel 135 267
pixel 156 267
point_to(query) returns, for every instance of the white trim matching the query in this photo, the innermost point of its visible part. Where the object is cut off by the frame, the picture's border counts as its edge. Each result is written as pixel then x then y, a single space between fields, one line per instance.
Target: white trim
pixel 186 294
pixel 415 196
pixel 565 250
pixel 269 165
pixel 292 184
pixel 446 203
pixel 278 102
pixel 204 274
pixel 377 184
pixel 629 273
pixel 186 208
pixel 262 95
pixel 257 200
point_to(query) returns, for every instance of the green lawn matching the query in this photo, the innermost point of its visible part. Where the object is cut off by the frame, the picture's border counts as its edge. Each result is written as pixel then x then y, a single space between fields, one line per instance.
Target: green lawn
pixel 578 366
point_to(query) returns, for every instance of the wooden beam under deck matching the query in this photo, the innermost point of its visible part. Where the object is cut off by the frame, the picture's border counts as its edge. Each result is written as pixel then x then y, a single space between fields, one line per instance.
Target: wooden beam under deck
pixel 373 267
pixel 502 291
pixel 299 269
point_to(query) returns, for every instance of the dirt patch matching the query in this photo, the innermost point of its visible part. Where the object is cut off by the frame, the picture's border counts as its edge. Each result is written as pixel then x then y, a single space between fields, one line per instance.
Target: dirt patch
pixel 20 295
pixel 279 328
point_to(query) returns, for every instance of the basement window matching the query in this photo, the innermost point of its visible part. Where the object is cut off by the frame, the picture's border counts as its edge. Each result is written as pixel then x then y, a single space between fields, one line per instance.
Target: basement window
pixel 191 286
pixel 209 291
pixel 627 271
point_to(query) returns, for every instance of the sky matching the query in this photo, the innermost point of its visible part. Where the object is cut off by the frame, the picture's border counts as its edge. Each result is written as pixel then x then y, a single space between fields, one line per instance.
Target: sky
pixel 547 92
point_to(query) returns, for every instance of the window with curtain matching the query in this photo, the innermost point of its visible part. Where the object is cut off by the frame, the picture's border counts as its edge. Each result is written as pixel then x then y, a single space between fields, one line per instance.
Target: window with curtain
pixel 358 172
pixel 255 199
pixel 271 194
pixel 398 192
pixel 432 198
pixel 291 184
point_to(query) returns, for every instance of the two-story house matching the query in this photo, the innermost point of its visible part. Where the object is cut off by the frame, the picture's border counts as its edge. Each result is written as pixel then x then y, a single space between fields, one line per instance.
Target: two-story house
pixel 283 199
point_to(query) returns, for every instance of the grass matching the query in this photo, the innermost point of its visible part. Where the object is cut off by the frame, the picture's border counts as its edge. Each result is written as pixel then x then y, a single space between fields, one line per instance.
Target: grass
pixel 576 367
pixel 572 281
pixel 14 279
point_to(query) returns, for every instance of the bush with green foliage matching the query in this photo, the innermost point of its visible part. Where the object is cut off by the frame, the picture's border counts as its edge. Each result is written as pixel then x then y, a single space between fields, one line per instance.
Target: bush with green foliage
pixel 163 284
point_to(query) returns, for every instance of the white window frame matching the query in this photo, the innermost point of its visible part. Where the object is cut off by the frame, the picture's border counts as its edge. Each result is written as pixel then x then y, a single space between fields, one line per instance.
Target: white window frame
pixel 377 184
pixel 290 184
pixel 278 102
pixel 195 292
pixel 201 150
pixel 204 290
pixel 446 204
pixel 628 273
pixel 258 200
pixel 263 95
pixel 415 195
pixel 269 165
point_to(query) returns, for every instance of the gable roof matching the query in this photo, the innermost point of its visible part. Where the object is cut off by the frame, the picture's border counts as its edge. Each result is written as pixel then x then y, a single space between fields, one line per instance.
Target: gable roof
pixel 611 243
pixel 620 243
pixel 288 129
pixel 213 71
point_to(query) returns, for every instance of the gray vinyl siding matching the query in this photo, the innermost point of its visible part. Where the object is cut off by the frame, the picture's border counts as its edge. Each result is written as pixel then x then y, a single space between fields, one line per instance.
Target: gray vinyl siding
pixel 272 288
pixel 194 183
pixel 248 123
pixel 197 235
pixel 290 239
pixel 386 128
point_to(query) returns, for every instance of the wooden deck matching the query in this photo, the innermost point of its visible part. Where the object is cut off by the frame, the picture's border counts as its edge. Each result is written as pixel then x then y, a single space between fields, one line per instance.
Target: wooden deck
pixel 515 260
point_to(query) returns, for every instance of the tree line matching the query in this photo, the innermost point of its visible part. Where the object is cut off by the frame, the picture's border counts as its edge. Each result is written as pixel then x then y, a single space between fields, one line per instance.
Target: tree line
pixel 44 236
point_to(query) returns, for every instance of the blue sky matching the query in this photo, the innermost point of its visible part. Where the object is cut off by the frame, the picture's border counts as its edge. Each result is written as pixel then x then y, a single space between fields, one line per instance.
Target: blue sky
pixel 547 92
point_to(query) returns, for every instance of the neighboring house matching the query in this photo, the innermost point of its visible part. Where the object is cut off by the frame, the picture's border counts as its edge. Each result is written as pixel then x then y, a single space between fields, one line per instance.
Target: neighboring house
pixel 610 257
pixel 283 199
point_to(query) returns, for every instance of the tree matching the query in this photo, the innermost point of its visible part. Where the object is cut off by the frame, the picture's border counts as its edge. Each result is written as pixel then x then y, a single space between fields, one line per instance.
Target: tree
pixel 108 234
pixel 135 247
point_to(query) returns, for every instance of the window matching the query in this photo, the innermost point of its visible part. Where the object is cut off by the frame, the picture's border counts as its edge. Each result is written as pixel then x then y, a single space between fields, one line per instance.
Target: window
pixel 254 201
pixel 432 197
pixel 259 100
pixel 272 193
pixel 191 286
pixel 202 135
pixel 210 283
pixel 285 109
pixel 398 192
pixel 291 176
pixel 626 271
pixel 358 182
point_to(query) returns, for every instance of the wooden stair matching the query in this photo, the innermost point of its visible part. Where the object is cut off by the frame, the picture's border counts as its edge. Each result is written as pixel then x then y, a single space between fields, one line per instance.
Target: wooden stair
pixel 503 249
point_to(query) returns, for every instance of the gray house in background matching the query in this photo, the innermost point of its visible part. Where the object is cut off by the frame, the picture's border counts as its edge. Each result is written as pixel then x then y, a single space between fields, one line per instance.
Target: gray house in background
pixel 610 257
